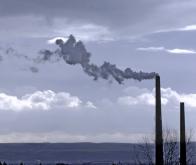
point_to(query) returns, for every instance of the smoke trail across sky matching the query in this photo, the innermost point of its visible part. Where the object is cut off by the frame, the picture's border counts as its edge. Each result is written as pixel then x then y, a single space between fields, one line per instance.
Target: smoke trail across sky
pixel 74 52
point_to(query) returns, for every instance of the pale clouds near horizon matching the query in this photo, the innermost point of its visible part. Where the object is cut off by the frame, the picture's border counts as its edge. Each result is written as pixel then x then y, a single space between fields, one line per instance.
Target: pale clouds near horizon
pixel 61 137
pixel 71 119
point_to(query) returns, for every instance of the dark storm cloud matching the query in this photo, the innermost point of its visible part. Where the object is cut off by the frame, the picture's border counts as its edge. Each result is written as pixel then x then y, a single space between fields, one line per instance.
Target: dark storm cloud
pixel 125 19
pixel 107 11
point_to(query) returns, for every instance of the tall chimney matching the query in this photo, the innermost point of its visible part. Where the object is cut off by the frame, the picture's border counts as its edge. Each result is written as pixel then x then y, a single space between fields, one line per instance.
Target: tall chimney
pixel 182 135
pixel 158 126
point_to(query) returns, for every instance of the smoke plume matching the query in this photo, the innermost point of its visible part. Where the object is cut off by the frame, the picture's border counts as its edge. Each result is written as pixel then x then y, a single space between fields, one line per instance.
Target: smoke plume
pixel 74 52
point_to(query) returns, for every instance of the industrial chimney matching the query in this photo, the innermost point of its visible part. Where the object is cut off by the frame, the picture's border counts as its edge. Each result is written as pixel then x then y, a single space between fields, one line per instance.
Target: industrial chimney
pixel 182 135
pixel 158 125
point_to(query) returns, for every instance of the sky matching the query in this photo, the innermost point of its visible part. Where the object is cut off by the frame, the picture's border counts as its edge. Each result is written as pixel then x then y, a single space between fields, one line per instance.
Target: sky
pixel 53 101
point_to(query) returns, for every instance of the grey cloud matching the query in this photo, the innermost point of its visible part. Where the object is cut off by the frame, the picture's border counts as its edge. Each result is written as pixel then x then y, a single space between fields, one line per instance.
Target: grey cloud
pixel 85 9
pixel 1 58
pixel 126 18
pixel 34 69
pixel 84 121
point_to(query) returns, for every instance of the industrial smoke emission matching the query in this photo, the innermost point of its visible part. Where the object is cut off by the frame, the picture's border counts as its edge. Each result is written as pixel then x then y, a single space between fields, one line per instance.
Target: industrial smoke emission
pixel 74 52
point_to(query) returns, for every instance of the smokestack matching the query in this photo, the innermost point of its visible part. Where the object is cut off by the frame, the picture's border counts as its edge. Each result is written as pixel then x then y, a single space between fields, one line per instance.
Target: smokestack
pixel 158 125
pixel 182 135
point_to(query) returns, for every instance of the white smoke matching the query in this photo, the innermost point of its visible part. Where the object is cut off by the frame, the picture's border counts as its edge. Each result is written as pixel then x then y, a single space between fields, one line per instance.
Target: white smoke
pixel 74 52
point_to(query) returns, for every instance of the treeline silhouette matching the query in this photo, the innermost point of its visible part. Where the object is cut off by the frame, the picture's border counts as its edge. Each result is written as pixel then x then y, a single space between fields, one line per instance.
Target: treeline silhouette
pixel 4 163
pixel 88 163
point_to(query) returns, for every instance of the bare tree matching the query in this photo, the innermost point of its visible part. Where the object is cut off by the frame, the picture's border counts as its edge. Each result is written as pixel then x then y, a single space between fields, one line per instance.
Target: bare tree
pixel 190 147
pixel 170 147
pixel 144 152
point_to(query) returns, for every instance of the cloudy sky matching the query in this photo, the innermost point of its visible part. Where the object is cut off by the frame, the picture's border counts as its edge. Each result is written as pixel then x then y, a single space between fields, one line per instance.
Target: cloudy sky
pixel 52 101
